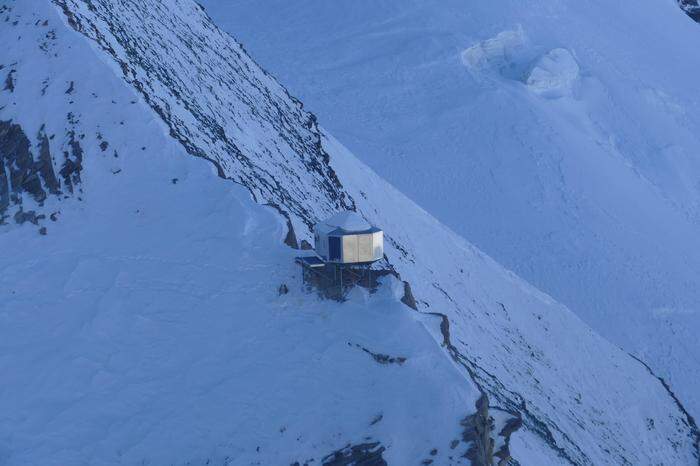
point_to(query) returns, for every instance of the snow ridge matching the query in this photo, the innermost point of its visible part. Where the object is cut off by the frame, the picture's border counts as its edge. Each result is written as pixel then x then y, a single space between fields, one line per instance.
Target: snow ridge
pixel 689 420
pixel 212 95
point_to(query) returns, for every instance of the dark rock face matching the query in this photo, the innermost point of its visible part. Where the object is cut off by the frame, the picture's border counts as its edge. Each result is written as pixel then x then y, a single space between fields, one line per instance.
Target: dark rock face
pixel 73 164
pixel 477 432
pixel 290 238
pixel 24 171
pixel 364 454
pixel 691 8
pixel 480 431
pixel 10 81
pixel 408 299
pixel 380 357
pixel 20 173
pixel 45 165
pixel 28 216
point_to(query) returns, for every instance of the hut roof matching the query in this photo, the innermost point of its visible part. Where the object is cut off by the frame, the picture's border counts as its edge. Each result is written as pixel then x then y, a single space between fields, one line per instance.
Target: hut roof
pixel 347 222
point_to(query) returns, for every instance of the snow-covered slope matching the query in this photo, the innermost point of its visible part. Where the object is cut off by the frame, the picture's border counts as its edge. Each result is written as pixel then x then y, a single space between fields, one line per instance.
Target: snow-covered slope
pixel 145 325
pixel 559 137
pixel 162 338
pixel 146 328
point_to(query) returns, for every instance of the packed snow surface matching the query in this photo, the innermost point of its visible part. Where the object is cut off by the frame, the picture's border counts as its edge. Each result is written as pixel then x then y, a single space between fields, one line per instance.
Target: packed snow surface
pixel 143 316
pixel 146 326
pixel 162 339
pixel 559 137
pixel 348 221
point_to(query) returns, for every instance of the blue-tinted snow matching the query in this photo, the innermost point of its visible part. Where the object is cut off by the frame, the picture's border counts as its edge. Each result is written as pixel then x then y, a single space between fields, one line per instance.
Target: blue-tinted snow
pixel 559 137
pixel 135 321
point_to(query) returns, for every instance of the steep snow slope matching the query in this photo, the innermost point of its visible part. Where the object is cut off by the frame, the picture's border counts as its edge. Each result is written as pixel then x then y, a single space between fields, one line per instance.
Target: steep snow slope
pixel 133 244
pixel 558 137
pixel 146 327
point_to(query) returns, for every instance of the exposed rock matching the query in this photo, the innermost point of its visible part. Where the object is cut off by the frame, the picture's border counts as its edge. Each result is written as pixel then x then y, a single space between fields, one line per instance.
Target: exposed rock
pixel 4 190
pixel 408 298
pixel 45 165
pixel 477 432
pixel 73 164
pixel 29 216
pixel 363 454
pixel 333 281
pixel 27 172
pixel 691 8
pixel 18 172
pixel 381 358
pixel 511 425
pixel 10 81
pixel 481 430
pixel 291 238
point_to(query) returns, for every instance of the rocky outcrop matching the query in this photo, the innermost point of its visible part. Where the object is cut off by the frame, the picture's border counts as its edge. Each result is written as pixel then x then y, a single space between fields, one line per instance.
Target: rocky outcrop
pixel 46 165
pixel 26 170
pixel 380 357
pixel 361 454
pixel 478 429
pixel 408 299
pixel 20 172
pixel 489 435
pixel 73 164
pixel 364 454
pixel 691 8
